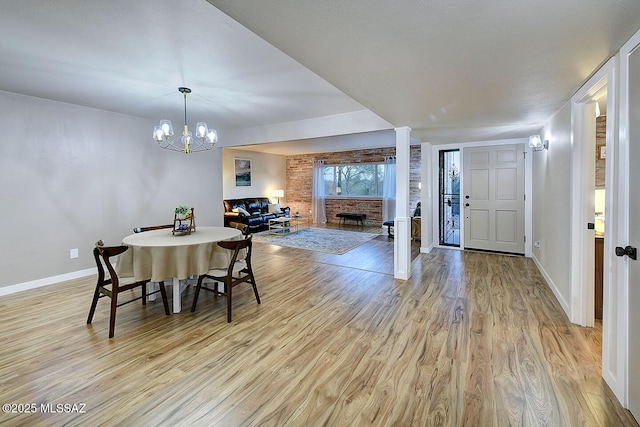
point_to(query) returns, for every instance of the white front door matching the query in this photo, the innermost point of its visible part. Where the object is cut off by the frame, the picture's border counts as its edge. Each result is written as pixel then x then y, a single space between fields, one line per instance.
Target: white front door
pixel 493 198
pixel 634 233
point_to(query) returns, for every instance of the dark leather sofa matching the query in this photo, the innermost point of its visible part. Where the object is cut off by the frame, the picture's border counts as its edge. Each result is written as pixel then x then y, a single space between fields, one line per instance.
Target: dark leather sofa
pixel 256 207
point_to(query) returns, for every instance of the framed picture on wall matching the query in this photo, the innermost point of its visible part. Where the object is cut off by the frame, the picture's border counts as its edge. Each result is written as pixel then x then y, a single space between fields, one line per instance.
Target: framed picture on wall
pixel 243 172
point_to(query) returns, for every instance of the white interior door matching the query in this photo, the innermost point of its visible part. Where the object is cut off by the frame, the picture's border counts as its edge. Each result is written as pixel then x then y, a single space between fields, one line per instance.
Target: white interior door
pixel 634 233
pixel 493 198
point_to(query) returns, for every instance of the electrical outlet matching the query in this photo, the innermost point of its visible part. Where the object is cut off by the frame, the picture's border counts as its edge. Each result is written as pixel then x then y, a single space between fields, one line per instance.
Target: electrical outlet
pixel 536 244
pixel 73 253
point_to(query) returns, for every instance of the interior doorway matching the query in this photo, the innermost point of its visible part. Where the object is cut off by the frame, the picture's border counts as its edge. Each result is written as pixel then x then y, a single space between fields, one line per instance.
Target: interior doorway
pixel 590 149
pixel 583 233
pixel 449 183
pixel 599 203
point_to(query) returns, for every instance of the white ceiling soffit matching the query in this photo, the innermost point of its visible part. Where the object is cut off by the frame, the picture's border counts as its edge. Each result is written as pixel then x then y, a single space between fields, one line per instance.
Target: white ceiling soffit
pixel 131 56
pixel 453 71
pixel 354 141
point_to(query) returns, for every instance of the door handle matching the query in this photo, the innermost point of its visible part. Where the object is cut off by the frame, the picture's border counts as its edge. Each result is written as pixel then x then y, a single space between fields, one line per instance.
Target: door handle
pixel 629 251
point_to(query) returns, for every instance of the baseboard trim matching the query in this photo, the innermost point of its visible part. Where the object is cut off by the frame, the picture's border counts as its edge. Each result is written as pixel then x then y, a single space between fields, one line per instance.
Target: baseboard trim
pixel 552 286
pixel 12 289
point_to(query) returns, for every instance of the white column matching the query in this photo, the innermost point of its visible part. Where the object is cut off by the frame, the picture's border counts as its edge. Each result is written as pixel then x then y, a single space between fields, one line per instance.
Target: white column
pixel 426 177
pixel 402 226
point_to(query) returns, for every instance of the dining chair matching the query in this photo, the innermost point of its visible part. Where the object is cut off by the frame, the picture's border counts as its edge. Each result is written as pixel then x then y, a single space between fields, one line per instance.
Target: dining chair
pixel 151 227
pixel 102 255
pixel 238 271
pixel 244 228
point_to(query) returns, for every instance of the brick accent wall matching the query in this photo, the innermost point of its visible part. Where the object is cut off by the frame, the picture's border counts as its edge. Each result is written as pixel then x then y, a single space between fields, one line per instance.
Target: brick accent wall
pixel 601 140
pixel 300 179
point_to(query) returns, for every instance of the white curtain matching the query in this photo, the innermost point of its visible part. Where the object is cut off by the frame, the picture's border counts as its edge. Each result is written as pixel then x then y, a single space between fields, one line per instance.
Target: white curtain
pixel 317 193
pixel 389 189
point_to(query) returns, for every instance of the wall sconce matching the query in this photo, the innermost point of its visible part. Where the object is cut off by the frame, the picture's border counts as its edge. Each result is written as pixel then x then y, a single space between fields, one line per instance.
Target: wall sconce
pixel 537 144
pixel 278 194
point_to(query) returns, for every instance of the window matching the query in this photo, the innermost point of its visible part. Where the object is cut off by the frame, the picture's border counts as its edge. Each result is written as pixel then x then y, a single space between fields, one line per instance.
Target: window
pixel 361 180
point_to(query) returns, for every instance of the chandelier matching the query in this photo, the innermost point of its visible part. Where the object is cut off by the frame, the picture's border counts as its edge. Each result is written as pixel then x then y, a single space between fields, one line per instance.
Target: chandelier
pixel 203 140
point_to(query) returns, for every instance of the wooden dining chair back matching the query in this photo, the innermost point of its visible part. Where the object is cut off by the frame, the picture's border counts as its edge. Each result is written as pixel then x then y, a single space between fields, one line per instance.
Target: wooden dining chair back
pixel 110 285
pixel 151 227
pixel 244 228
pixel 239 271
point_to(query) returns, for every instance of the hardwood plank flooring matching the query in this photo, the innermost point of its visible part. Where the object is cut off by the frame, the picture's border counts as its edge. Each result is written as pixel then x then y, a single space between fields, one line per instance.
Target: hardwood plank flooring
pixel 375 255
pixel 472 339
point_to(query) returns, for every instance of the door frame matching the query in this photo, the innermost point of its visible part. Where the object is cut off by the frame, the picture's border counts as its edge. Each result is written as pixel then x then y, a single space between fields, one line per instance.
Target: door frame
pixel 622 217
pixel 440 209
pixel 583 184
pixel 528 188
pixel 582 274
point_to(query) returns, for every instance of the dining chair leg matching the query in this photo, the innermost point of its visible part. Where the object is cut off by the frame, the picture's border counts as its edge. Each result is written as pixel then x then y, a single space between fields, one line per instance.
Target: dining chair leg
pixel 228 287
pixel 112 320
pixel 94 303
pixel 195 295
pixel 255 289
pixel 165 300
pixel 144 294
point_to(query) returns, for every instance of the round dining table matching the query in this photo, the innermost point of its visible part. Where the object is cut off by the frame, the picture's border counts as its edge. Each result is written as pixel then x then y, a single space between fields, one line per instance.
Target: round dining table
pixel 160 255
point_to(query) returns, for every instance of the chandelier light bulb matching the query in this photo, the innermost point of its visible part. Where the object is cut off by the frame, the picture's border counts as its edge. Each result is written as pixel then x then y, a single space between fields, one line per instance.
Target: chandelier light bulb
pixel 158 134
pixel 201 129
pixel 167 128
pixel 212 136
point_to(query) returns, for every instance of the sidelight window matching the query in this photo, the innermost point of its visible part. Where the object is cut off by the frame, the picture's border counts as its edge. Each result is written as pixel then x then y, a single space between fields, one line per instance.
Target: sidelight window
pixel 450 197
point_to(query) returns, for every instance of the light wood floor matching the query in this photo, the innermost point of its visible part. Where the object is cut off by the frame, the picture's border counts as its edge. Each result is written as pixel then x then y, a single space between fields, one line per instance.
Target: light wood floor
pixel 471 339
pixel 375 256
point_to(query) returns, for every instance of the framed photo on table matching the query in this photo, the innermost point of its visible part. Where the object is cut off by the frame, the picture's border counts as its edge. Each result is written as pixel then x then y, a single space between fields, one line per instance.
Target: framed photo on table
pixel 243 172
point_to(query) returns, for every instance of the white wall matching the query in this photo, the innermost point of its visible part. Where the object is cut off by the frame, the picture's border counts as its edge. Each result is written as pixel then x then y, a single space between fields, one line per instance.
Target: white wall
pixel 268 173
pixel 72 175
pixel 552 205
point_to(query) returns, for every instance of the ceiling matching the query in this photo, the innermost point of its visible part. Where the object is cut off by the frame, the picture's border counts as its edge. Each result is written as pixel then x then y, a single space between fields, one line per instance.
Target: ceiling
pixel 289 71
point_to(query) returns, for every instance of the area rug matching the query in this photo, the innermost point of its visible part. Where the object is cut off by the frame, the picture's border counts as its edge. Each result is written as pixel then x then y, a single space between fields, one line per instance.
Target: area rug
pixel 328 240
